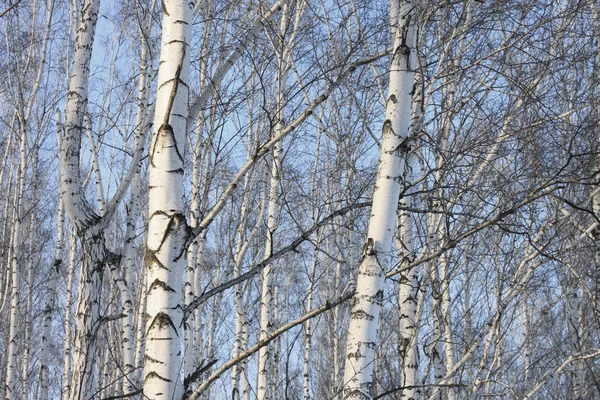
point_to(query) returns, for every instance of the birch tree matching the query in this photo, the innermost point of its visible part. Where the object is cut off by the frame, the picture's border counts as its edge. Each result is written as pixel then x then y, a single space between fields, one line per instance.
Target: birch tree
pixel 167 227
pixel 362 333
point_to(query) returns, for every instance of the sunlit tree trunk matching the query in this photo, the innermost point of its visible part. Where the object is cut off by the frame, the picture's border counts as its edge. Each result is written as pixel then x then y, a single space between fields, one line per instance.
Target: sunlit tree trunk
pixel 140 333
pixel 83 218
pixel 267 288
pixel 67 352
pixel 167 227
pixel 266 317
pixel 364 319
pixel 241 320
pixel 408 293
pixel 16 264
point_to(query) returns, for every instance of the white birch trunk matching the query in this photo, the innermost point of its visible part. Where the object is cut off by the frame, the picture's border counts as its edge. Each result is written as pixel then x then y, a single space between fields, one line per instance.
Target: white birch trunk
pixel 26 356
pixel 408 295
pixel 95 165
pixel 11 369
pixel 264 355
pixel 192 279
pixel 66 377
pixel 573 329
pixel 364 318
pixel 198 326
pixel 308 330
pixel 125 285
pixel 88 315
pixel 127 336
pixel 78 209
pixel 51 302
pixel 167 227
pixel 241 320
pixel 267 289
pixel 140 334
pixel 80 213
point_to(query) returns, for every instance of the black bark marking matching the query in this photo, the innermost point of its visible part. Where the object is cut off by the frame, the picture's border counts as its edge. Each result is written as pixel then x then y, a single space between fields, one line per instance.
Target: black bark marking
pixel 155 375
pixel 162 321
pixel 160 284
pixel 361 314
pixel 176 222
pixel 150 258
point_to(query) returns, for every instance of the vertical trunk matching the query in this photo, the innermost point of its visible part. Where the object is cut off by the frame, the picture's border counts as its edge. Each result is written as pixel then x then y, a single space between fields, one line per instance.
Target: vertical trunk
pixel 308 329
pixel 51 302
pixel 283 52
pixel 11 369
pixel 192 270
pixel 28 307
pixel 5 275
pixel 66 377
pixel 306 382
pixel 364 318
pixel 241 320
pixel 95 165
pixel 140 334
pixel 88 314
pixel 446 321
pixel 127 334
pixel 198 348
pixel 276 366
pixel 126 290
pixel 264 355
pixel 573 329
pixel 436 349
pixel 167 227
pixel 80 212
pixel 407 295
pixel 25 366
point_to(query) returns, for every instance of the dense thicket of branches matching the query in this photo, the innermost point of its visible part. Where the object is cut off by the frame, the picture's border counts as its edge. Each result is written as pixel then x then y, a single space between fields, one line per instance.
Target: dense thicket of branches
pixel 492 283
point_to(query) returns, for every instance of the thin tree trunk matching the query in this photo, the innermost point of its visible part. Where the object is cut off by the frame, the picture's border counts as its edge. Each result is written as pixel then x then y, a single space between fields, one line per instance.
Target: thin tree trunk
pixel 308 329
pixel 407 296
pixel 241 321
pixel 573 329
pixel 55 271
pixel 140 334
pixel 264 355
pixel 67 364
pixel 16 260
pixel 125 284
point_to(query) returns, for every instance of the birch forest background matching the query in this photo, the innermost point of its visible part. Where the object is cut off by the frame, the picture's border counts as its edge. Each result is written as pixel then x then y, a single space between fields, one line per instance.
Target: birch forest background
pixel 299 199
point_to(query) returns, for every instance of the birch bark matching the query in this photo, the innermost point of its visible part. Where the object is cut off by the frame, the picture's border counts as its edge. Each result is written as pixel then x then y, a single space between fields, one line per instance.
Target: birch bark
pixel 167 227
pixel 364 318
pixel 67 363
pixel 83 218
pixel 407 295
pixel 11 369
pixel 51 302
